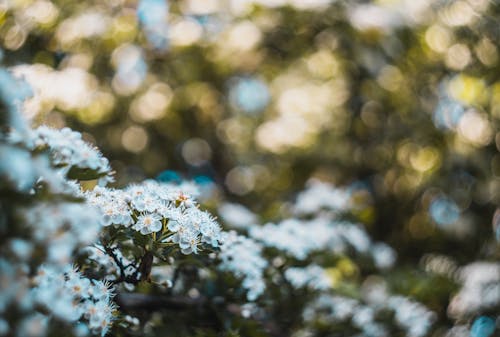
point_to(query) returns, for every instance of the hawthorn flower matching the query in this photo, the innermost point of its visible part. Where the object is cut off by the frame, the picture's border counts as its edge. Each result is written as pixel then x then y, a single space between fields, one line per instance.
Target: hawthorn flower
pixel 156 204
pixel 312 276
pixel 69 296
pixel 242 257
pixel 148 223
pixel 79 286
pixel 189 243
pixel 69 150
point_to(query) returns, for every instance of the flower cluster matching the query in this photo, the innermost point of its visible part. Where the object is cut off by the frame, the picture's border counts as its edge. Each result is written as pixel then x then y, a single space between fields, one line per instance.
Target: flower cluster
pixel 321 195
pixel 72 298
pixel 237 216
pixel 70 151
pixel 313 277
pixel 62 227
pixel 152 14
pixel 412 317
pixel 242 257
pixel 480 289
pixel 20 169
pixel 152 207
pixel 299 238
pixel 43 226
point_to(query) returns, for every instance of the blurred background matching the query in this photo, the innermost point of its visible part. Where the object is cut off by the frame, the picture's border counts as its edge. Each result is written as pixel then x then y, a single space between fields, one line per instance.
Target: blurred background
pixel 397 99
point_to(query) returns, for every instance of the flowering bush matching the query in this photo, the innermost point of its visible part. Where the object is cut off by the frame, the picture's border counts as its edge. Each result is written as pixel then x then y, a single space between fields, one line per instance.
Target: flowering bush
pixel 395 101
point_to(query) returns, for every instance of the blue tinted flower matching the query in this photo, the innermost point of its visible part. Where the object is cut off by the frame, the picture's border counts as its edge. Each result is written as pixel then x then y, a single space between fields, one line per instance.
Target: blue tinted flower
pixel 13 92
pixel 16 165
pixel 250 95
pixel 152 14
pixel 444 211
pixel 483 326
pixel 448 113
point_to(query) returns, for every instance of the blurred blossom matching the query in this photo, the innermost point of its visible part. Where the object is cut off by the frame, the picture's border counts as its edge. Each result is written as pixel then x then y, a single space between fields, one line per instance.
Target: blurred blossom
pixel 374 290
pixel 91 23
pixel 304 109
pixel 240 180
pixel 40 12
pixel 483 326
pixel 242 36
pixel 134 139
pixel 131 69
pixel 200 7
pixel 413 317
pixel 251 95
pixel 185 32
pixel 313 277
pixel 468 89
pixel 69 151
pixel 15 37
pixel 152 14
pixel 320 195
pixel 439 264
pixel 438 38
pixel 67 89
pixel 383 255
pixel 152 105
pixel 390 14
pixel 243 257
pixel 14 92
pixel 452 113
pixel 444 211
pixel 21 248
pixel 236 215
pixel 16 167
pixel 461 12
pixel 300 238
pixel 458 56
pixel 34 325
pixel 458 331
pixel 487 52
pixel 480 289
pixel 448 113
pixel 196 151
pixel 475 128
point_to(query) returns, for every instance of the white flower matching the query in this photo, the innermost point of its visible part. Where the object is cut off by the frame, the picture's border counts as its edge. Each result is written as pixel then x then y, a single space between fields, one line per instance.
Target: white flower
pixel 383 255
pixel 312 276
pixel 65 293
pixel 17 166
pixel 69 149
pixel 148 223
pixel 236 215
pixel 299 238
pixel 242 256
pixel 320 195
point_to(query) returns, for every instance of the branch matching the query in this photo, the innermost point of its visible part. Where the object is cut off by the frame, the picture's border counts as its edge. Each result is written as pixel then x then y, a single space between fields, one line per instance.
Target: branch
pixel 137 301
